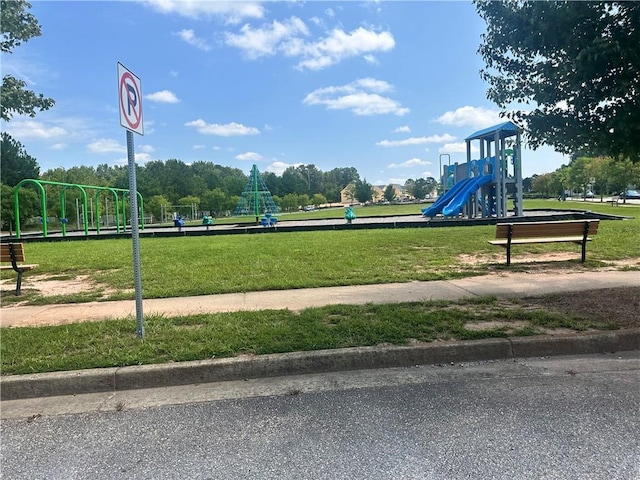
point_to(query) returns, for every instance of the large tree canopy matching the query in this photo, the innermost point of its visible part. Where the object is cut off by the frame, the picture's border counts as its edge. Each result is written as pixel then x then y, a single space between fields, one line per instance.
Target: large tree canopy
pixel 17 164
pixel 17 26
pixel 577 62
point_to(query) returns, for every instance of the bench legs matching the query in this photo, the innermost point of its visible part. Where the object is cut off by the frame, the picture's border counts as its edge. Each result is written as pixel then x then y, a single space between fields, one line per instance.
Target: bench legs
pixel 19 282
pixel 509 237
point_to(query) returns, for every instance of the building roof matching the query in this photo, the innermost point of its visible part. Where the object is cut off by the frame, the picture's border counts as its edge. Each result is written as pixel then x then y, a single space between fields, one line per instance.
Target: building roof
pixel 504 130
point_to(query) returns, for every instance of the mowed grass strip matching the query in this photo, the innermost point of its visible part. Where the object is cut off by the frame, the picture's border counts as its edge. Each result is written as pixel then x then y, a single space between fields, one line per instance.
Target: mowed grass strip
pixel 197 337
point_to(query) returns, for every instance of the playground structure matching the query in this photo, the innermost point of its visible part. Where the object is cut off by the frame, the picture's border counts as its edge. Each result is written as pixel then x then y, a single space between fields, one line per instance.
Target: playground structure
pixel 481 188
pixel 120 205
pixel 256 199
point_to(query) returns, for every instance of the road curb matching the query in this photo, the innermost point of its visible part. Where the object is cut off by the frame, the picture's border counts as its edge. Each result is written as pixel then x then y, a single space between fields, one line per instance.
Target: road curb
pixel 319 361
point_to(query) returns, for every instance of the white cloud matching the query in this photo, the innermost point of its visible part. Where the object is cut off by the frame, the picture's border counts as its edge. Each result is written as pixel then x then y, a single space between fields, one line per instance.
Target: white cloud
pixel 459 147
pixel 140 159
pixel 287 38
pixel 393 181
pixel 267 40
pixel 370 59
pixel 199 147
pixel 357 97
pixel 59 146
pixel 227 130
pixel 416 141
pixel 475 117
pixel 231 11
pixel 340 45
pixel 414 162
pixel 106 145
pixel 402 129
pixel 253 156
pixel 426 174
pixel 23 129
pixel 163 96
pixel 190 37
pixel 278 167
pixel 146 148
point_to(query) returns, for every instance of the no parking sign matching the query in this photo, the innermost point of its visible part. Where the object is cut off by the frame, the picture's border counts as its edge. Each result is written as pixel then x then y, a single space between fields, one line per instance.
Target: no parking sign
pixel 130 100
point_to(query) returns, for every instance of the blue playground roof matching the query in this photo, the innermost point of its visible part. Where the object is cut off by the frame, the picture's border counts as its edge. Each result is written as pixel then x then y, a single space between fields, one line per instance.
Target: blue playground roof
pixel 506 129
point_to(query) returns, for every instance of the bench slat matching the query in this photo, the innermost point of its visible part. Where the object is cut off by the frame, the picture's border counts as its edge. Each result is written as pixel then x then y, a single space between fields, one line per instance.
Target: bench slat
pixel 524 241
pixel 549 229
pixel 22 266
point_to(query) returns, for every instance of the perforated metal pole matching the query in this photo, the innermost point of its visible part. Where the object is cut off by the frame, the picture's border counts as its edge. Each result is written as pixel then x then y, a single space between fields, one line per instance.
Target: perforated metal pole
pixel 133 200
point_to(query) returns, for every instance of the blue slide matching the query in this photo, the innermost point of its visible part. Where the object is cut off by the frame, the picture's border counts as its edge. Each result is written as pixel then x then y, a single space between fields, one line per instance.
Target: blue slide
pixel 462 196
pixel 442 202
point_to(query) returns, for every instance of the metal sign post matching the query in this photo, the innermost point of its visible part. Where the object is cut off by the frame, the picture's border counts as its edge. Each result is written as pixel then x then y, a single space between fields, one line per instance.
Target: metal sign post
pixel 130 101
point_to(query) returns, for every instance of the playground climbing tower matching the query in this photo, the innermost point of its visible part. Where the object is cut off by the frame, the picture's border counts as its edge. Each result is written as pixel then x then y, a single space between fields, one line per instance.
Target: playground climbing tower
pixel 256 199
pixel 482 187
pixel 497 144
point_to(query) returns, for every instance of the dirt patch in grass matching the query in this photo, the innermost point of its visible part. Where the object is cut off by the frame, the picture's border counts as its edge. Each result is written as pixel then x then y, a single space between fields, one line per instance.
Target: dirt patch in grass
pixel 616 305
pixel 547 261
pixel 52 286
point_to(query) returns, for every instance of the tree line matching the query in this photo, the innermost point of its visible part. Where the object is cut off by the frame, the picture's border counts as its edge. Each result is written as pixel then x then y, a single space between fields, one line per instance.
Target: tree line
pixel 173 185
pixel 587 176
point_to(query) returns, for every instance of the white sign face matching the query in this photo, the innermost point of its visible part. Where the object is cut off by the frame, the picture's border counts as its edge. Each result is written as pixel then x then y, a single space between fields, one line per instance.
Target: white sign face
pixel 130 100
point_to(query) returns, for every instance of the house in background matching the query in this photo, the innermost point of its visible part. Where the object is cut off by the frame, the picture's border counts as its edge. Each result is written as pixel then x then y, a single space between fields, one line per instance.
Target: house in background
pixel 347 195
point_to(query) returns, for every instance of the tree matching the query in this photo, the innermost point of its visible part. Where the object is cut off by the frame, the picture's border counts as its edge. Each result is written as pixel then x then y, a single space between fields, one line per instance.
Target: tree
pixel 578 175
pixel 29 206
pixel 289 203
pixel 18 26
pixel 363 191
pixel 318 199
pixel 597 172
pixel 421 187
pixel 544 184
pixel 560 181
pixel 17 164
pixel 294 181
pixel 214 201
pixel 155 204
pixel 578 62
pixel 620 175
pixel 389 193
pixel 187 203
pixel 336 180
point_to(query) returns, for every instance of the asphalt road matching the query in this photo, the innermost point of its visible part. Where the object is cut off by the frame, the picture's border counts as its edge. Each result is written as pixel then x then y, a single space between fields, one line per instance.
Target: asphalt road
pixel 553 418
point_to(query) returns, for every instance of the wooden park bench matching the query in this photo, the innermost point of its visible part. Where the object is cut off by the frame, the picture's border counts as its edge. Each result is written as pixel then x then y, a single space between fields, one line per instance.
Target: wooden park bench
pixel 574 231
pixel 14 253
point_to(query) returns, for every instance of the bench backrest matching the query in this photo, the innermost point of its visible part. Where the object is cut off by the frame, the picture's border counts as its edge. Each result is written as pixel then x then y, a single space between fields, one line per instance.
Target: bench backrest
pixel 567 228
pixel 5 254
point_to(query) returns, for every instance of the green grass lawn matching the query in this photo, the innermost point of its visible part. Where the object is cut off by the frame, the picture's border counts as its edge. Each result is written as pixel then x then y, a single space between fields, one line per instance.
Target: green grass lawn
pixel 196 337
pixel 184 266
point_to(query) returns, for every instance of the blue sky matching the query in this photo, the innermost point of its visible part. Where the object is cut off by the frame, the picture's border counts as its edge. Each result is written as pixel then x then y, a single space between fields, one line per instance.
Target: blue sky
pixel 386 87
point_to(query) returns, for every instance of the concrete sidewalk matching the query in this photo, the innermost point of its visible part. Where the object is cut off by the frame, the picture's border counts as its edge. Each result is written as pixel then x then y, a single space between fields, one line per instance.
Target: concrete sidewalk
pixel 501 285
